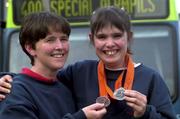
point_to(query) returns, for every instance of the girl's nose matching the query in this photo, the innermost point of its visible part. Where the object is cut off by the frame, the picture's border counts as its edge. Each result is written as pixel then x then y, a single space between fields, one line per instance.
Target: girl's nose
pixel 109 42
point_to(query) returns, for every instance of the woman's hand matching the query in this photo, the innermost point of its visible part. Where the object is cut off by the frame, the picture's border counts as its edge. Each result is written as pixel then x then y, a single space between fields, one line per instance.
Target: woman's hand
pixel 94 111
pixel 5 86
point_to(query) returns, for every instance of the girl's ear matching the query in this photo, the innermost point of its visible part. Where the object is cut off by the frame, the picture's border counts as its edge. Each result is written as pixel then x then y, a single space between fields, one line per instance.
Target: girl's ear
pixel 91 38
pixel 130 40
pixel 30 50
pixel 130 36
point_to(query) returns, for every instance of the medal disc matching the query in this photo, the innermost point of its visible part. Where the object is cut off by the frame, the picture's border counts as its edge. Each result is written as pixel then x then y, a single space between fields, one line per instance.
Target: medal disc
pixel 104 100
pixel 119 94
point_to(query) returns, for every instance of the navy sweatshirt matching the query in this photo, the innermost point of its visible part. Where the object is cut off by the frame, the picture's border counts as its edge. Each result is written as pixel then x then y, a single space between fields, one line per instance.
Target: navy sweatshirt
pixel 32 98
pixel 82 79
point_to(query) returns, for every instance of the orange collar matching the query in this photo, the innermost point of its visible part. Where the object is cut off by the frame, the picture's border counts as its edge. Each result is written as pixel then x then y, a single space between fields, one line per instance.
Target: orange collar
pixel 104 89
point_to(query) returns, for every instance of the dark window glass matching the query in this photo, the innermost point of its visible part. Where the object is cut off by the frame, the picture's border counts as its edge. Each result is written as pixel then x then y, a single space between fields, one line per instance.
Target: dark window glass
pixel 154 45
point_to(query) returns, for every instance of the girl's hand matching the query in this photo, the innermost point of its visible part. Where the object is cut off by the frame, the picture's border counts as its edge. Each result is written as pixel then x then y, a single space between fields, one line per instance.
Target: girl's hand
pixel 137 101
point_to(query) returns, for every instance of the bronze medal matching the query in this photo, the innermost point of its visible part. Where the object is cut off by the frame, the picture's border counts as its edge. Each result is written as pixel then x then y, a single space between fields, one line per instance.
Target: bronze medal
pixel 104 100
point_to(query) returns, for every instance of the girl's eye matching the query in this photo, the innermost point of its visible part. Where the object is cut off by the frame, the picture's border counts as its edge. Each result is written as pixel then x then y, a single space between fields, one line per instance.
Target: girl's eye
pixel 116 36
pixel 101 37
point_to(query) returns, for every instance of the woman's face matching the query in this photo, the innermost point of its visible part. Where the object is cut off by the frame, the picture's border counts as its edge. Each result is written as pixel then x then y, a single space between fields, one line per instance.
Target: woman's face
pixel 51 52
pixel 111 46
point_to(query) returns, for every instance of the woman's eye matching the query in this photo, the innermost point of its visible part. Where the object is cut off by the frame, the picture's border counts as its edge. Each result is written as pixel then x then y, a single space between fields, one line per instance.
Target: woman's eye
pixel 64 39
pixel 50 39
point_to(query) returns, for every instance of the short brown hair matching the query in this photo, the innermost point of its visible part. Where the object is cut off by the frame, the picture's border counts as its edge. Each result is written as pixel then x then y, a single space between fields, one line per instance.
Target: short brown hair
pixel 36 26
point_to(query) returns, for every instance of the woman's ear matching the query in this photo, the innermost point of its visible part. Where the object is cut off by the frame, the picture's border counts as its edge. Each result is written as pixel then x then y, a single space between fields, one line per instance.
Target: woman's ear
pixel 30 50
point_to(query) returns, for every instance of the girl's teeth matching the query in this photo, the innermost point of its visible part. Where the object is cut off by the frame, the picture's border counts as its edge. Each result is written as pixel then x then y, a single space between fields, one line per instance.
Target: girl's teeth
pixel 110 52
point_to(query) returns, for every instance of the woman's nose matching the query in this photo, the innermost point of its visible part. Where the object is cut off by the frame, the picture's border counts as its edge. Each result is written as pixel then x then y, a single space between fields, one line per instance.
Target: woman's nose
pixel 59 44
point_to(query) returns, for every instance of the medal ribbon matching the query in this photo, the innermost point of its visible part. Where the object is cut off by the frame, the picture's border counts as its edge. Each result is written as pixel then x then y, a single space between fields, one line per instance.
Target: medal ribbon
pixel 104 89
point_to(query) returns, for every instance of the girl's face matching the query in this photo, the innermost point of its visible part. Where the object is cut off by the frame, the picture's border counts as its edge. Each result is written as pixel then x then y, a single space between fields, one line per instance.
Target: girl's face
pixel 111 46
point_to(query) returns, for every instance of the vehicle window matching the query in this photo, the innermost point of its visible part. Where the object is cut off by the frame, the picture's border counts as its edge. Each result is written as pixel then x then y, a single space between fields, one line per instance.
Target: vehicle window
pixel 153 46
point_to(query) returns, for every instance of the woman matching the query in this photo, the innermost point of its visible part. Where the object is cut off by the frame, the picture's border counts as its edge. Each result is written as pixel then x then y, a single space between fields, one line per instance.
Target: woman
pixel 36 93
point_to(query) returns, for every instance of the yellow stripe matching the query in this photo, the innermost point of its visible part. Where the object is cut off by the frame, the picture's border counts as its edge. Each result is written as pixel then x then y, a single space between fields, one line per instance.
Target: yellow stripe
pixel 10 22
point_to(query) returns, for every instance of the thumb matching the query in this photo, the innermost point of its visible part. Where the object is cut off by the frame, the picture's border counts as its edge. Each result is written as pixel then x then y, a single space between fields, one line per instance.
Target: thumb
pixel 101 111
pixel 8 78
pixel 97 106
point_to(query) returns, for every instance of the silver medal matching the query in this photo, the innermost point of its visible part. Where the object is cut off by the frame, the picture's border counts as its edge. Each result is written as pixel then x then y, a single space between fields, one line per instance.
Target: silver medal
pixel 119 93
